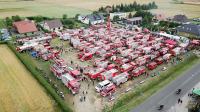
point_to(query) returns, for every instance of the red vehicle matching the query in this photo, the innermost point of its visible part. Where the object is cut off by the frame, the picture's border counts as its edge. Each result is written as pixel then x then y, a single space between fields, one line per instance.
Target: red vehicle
pixel 107 75
pixel 95 73
pixel 126 67
pixel 111 66
pixel 152 65
pixel 159 61
pixel 86 56
pixel 138 71
pixel 76 74
pixel 60 62
pixel 111 88
pixel 58 71
pixel 71 83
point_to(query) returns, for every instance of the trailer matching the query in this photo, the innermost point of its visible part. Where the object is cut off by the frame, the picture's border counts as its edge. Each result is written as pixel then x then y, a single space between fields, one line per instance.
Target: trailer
pixel 121 78
pixel 71 83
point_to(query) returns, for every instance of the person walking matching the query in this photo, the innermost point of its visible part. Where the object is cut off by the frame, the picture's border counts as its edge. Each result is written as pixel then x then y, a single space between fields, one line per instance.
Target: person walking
pixel 179 100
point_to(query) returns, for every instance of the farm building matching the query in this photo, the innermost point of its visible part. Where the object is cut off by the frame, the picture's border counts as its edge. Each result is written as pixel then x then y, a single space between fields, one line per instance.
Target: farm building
pixel 92 18
pixel 180 18
pixel 189 30
pixel 120 14
pixel 53 25
pixel 25 27
pixel 133 21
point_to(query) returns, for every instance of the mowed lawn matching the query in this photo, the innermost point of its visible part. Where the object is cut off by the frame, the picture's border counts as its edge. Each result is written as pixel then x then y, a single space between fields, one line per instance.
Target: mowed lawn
pixel 19 91
pixel 56 8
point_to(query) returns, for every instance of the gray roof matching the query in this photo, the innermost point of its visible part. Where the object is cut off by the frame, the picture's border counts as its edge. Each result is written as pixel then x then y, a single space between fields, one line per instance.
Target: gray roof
pixel 95 17
pixel 189 28
pixel 180 18
pixel 54 23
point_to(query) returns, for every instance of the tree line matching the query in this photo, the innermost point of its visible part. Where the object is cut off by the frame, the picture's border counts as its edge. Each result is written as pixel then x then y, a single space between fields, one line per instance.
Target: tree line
pixel 130 7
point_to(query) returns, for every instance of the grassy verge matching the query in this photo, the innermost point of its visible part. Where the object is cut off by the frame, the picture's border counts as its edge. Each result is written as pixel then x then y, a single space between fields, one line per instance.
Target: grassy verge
pixel 30 65
pixel 134 98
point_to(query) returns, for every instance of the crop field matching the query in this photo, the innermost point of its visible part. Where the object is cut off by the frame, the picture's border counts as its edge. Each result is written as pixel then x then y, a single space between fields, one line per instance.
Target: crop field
pixel 55 8
pixel 19 91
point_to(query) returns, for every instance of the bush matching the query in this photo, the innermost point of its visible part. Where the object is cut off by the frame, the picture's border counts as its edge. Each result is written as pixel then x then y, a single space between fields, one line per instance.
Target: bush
pixel 38 76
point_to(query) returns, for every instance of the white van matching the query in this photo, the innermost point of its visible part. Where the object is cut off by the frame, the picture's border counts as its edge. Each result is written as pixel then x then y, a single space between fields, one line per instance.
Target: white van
pixel 102 85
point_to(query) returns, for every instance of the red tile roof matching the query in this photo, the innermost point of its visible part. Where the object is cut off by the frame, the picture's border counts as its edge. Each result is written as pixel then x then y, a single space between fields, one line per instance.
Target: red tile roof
pixel 25 26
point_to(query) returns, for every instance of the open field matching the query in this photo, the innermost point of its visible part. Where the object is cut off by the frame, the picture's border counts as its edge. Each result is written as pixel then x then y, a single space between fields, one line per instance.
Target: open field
pixel 55 8
pixel 19 91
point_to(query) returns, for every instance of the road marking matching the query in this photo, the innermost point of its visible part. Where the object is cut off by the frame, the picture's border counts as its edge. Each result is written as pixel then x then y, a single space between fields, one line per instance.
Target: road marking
pixel 194 74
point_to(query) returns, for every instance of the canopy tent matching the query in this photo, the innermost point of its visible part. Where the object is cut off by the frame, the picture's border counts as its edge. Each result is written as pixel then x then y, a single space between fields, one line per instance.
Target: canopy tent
pixel 196 91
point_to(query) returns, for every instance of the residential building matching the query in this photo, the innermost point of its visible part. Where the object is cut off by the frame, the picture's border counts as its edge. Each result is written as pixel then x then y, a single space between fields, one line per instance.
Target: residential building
pixel 92 18
pixel 189 30
pixel 53 25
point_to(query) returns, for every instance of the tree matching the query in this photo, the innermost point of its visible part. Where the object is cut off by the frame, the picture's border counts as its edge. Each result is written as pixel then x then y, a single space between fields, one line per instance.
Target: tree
pixel 130 15
pixel 147 17
pixel 9 22
pixel 64 16
pixel 116 18
pixel 76 16
pixel 16 18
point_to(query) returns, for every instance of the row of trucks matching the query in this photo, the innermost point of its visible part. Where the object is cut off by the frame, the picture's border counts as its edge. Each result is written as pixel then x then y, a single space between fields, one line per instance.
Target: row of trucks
pixel 69 76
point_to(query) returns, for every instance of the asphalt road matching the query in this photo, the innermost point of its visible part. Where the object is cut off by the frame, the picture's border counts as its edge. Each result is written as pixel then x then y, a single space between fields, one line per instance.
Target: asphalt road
pixel 166 96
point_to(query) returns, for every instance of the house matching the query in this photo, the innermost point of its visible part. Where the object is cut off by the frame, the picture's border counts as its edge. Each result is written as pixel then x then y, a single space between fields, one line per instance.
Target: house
pixel 25 27
pixel 92 18
pixel 120 14
pixel 180 18
pixel 53 25
pixel 189 30
pixel 133 21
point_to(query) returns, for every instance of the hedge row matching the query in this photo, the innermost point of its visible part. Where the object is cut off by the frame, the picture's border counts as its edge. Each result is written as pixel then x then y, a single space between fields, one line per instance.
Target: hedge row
pixel 126 98
pixel 38 75
pixel 3 42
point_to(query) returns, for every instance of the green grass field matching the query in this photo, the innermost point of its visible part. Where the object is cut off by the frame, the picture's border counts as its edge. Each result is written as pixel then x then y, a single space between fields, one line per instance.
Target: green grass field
pixel 56 8
pixel 19 91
